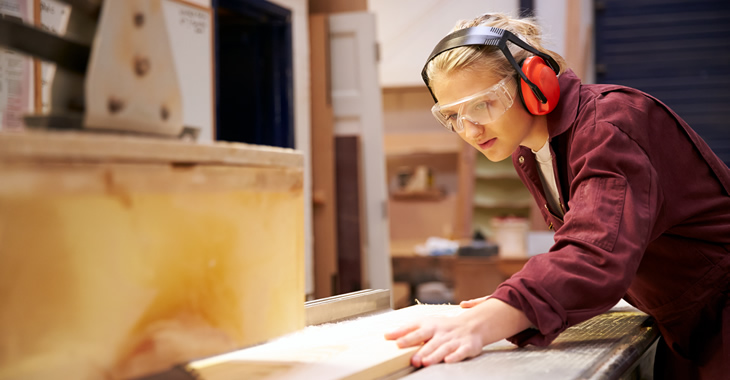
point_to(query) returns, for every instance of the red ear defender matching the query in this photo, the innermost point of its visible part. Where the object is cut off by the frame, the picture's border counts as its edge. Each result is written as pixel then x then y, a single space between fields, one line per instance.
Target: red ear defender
pixel 545 79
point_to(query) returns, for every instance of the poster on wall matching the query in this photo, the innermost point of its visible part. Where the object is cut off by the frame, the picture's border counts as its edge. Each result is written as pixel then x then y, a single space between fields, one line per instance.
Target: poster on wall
pixel 54 19
pixel 16 72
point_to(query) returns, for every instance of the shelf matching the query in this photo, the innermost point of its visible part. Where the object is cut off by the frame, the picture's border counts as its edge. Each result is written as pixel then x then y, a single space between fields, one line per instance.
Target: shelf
pixel 427 195
pixel 498 192
pixel 491 204
pixel 485 169
pixel 421 143
pixel 503 193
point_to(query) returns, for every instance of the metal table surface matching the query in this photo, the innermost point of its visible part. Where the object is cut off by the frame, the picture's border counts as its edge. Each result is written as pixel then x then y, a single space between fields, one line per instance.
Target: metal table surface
pixel 615 345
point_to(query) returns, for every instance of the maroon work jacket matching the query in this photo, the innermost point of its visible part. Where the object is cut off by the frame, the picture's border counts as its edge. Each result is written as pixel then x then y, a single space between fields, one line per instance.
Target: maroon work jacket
pixel 647 219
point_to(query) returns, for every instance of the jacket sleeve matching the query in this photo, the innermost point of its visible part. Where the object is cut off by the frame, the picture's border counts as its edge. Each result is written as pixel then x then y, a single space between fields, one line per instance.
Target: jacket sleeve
pixel 612 208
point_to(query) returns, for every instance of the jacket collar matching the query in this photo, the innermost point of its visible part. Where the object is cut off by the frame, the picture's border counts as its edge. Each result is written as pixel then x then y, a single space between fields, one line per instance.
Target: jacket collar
pixel 564 115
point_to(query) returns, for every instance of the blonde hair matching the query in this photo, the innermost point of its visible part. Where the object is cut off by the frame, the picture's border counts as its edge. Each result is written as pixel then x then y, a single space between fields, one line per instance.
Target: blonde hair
pixel 490 58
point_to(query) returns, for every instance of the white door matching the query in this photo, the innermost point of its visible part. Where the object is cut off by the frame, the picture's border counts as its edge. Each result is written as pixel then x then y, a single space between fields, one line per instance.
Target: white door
pixel 357 105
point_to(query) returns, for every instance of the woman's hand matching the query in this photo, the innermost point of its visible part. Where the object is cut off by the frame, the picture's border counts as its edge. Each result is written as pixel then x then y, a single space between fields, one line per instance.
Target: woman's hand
pixel 448 339
pixel 452 339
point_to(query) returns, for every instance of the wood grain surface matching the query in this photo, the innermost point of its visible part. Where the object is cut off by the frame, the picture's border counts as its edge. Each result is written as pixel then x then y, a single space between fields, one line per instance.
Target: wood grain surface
pixel 118 268
pixel 354 349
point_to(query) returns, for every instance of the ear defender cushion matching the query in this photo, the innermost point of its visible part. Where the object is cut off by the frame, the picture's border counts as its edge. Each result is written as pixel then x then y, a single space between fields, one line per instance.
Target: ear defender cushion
pixel 545 79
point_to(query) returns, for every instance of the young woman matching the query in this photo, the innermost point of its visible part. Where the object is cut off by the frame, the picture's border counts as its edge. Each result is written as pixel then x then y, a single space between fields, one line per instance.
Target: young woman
pixel 638 202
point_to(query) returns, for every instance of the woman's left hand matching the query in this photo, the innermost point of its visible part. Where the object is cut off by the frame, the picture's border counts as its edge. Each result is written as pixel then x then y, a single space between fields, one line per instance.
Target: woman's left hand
pixel 448 339
pixel 452 339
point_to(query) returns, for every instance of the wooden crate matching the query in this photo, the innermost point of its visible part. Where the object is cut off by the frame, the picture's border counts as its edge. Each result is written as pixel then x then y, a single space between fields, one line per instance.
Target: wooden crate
pixel 122 256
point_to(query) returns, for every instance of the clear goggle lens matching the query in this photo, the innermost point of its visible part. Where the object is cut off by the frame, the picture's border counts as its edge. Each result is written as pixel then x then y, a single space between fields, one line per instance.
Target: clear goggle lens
pixel 481 108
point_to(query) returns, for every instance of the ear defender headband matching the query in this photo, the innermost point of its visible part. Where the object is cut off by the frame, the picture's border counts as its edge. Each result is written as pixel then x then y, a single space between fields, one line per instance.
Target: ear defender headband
pixel 539 88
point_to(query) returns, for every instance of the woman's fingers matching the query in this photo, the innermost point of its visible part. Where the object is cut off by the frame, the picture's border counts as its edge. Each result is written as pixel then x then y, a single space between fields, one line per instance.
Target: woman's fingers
pixel 411 335
pixel 415 337
pixel 424 352
pixel 399 332
pixel 437 353
pixel 458 355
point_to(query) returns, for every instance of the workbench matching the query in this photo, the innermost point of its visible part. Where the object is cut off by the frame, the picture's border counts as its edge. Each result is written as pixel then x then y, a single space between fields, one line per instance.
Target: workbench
pixel 615 345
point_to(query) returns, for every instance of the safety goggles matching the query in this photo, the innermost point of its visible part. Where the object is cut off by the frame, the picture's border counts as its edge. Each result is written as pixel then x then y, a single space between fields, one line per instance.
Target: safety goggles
pixel 481 108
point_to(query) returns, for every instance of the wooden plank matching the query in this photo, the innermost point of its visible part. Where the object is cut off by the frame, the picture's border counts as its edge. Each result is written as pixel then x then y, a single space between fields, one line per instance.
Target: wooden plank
pixel 575 54
pixel 349 240
pixel 352 349
pixel 91 147
pixel 323 161
pixel 606 346
pixel 116 270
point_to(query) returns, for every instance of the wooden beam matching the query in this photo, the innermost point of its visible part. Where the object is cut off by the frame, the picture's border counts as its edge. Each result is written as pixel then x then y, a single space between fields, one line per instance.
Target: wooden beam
pixel 574 46
pixel 336 6
pixel 99 147
pixel 324 214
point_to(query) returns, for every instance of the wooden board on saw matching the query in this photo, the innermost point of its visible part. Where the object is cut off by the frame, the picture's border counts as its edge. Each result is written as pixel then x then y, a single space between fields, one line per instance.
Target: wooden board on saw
pixel 605 346
pixel 119 262
pixel 354 349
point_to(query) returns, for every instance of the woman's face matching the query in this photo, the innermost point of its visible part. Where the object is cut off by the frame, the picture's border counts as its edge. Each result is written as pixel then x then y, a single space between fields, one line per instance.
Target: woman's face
pixel 498 138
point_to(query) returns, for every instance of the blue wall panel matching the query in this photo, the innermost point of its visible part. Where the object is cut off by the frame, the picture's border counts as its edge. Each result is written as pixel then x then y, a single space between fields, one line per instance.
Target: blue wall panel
pixel 676 50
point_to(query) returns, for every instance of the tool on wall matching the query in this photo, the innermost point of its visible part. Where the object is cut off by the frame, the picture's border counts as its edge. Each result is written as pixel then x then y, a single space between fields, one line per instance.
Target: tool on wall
pixel 116 68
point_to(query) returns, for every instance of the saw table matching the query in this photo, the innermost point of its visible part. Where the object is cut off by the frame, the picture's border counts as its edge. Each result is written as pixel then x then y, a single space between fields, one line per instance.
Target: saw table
pixel 615 345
